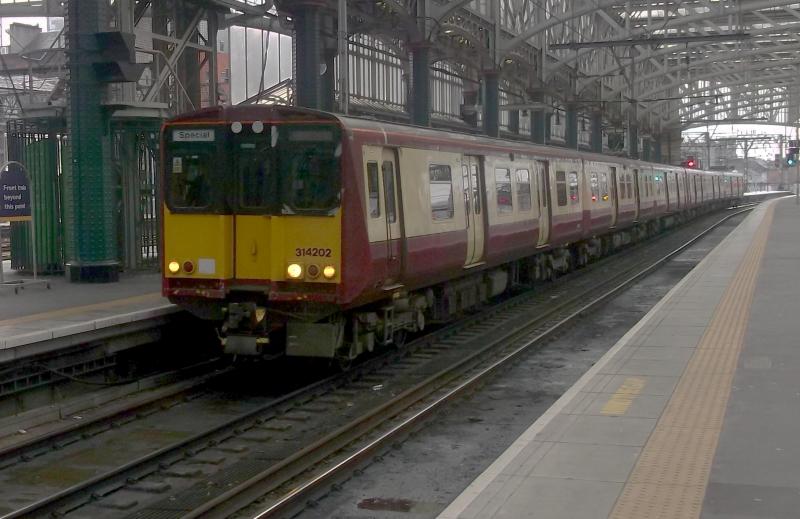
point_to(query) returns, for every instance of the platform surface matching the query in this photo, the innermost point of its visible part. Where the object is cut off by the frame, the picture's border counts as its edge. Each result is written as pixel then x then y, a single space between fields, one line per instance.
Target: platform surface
pixel 693 413
pixel 36 314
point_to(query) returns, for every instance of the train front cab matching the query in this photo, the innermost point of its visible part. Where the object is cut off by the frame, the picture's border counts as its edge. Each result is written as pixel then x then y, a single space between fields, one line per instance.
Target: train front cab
pixel 252 222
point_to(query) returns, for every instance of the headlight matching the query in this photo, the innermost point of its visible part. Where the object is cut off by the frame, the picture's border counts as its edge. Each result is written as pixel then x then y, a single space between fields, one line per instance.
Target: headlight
pixel 329 272
pixel 294 271
pixel 174 267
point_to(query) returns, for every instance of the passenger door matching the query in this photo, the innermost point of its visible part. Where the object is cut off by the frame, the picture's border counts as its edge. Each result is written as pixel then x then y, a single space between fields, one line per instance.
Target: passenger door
pixel 637 192
pixel 474 205
pixel 614 197
pixel 542 179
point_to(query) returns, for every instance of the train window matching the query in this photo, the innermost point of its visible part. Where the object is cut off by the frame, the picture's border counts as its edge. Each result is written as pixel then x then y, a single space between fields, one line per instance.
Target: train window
pixel 310 175
pixel 373 190
pixel 502 181
pixel 388 187
pixel 441 192
pixel 603 186
pixel 524 189
pixel 561 187
pixel 190 179
pixel 594 186
pixel 476 189
pixel 254 163
pixel 573 188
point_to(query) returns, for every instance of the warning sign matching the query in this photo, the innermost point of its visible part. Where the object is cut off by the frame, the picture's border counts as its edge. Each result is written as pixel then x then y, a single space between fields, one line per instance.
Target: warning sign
pixel 15 196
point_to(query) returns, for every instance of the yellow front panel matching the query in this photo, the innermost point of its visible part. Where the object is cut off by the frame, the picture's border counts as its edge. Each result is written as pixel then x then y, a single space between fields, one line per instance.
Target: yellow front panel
pixel 204 239
pixel 267 245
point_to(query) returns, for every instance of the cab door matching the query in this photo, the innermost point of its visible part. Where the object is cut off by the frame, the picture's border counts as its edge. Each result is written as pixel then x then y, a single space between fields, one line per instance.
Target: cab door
pixel 474 204
pixel 542 179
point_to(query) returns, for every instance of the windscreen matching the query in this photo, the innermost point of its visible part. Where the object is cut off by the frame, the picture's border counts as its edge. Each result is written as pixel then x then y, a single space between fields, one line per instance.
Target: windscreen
pixel 260 169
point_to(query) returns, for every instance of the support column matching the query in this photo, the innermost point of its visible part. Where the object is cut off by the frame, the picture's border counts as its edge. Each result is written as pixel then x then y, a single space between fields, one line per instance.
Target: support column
pixel 491 103
pixel 308 28
pixel 571 137
pixel 633 140
pixel 421 85
pixel 213 67
pixel 646 149
pixel 596 137
pixel 657 149
pixel 513 121
pixel 90 194
pixel 538 126
pixel 328 83
pixel 189 62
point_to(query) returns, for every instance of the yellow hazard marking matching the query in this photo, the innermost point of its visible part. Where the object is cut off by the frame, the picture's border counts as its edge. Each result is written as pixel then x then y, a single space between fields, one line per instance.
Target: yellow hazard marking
pixel 152 297
pixel 670 477
pixel 621 401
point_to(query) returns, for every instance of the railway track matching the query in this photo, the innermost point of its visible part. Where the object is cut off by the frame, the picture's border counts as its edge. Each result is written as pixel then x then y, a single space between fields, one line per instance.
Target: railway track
pixel 308 437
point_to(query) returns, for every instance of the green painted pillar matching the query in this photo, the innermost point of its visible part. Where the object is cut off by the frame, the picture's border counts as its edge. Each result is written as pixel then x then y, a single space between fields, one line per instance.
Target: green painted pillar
pixel 571 136
pixel 646 147
pixel 597 132
pixel 421 84
pixel 90 187
pixel 491 103
pixel 308 28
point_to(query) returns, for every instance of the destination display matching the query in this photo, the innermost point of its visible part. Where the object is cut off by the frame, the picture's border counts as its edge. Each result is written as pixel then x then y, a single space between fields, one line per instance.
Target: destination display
pixel 15 196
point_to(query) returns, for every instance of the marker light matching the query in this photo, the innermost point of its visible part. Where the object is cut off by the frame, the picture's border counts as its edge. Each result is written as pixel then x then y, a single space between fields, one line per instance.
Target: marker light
pixel 294 271
pixel 236 127
pixel 188 266
pixel 329 272
pixel 312 271
pixel 174 267
pixel 258 127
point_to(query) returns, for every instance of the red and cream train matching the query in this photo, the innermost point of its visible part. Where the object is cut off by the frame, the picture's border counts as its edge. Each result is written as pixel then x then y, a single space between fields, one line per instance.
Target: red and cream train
pixel 313 234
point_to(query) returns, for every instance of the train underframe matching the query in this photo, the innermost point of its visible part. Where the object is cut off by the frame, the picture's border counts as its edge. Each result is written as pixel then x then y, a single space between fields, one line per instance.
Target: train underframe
pixel 251 326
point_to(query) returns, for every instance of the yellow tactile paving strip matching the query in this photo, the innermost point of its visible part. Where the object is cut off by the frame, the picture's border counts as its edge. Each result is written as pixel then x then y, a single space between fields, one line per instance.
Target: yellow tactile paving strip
pixel 670 477
pixel 153 297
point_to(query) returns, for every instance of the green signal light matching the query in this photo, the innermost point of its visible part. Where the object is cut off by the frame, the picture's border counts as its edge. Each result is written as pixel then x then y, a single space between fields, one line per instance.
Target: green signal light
pixel 791 161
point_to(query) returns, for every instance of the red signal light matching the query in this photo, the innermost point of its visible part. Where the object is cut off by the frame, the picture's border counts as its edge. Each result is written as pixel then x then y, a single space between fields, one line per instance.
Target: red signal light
pixel 690 163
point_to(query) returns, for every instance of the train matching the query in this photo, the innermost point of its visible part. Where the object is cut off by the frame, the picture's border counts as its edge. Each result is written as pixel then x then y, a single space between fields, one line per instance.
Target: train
pixel 312 234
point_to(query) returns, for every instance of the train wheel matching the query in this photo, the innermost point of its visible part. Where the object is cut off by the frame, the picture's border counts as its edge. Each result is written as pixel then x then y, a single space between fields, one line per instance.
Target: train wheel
pixel 399 339
pixel 343 363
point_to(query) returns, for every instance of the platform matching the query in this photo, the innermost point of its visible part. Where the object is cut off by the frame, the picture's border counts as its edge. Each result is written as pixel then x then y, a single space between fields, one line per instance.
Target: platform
pixel 38 320
pixel 693 413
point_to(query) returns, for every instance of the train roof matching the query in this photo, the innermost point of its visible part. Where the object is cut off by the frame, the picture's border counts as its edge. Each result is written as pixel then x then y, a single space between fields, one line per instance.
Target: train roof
pixel 249 113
